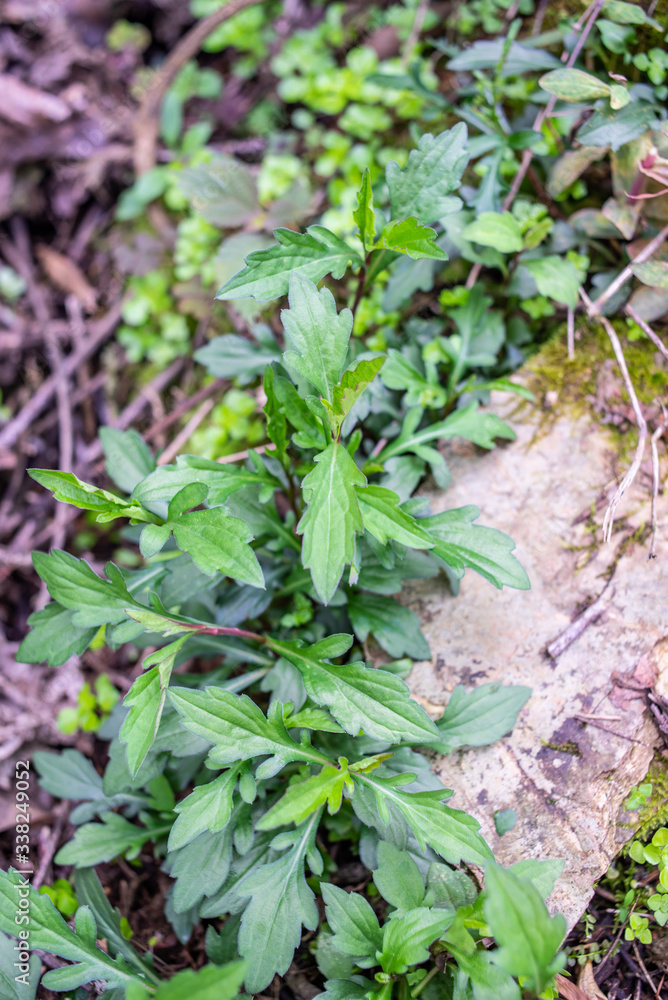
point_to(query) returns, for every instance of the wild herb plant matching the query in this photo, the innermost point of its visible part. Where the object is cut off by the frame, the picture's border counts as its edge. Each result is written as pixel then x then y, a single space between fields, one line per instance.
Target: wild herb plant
pixel 284 565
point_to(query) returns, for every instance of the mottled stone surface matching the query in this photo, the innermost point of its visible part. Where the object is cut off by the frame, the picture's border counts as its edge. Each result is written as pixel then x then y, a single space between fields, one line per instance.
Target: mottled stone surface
pixel 541 490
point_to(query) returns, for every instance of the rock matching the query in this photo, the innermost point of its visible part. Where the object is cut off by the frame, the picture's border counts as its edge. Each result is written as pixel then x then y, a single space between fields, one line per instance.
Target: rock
pixel 566 778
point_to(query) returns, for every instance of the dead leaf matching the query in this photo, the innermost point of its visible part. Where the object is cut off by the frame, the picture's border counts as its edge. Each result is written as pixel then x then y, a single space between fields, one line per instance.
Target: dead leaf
pixel 568 990
pixel 64 273
pixel 588 984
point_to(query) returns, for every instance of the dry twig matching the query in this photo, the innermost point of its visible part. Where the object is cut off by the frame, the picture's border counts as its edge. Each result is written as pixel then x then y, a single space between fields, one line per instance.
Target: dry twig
pixel 655 486
pixel 173 449
pixel 647 330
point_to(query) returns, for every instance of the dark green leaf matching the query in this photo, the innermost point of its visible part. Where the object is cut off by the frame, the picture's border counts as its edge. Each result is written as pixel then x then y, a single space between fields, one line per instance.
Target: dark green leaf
pixel 355 925
pixel 54 638
pixel 68 775
pixel 406 939
pixel 462 545
pixel 481 717
pixel 394 627
pixel 277 428
pixel 364 214
pixel 231 356
pixel 129 458
pixel 398 878
pixel 423 188
pixel 73 584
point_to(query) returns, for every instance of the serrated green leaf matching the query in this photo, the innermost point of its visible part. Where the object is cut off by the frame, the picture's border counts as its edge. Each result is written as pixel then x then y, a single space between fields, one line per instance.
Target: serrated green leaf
pixel 480 717
pixel 97 842
pixel 396 628
pixel 449 887
pixel 527 936
pixel 238 729
pixel 355 925
pixel 50 933
pixel 358 696
pixel 312 255
pixel 331 519
pixel 450 832
pixel 233 357
pixel 304 797
pixel 652 272
pixel 468 422
pixel 72 583
pixel 68 489
pixel 423 188
pixel 495 229
pixel 318 334
pixel 223 479
pixel 208 807
pixel 53 637
pixel 386 521
pixel 277 428
pixel 310 433
pixel 281 904
pixel 216 541
pixel 364 215
pixel 68 775
pixel 574 85
pixel 398 878
pixel 411 238
pixel 556 278
pixel 213 982
pixel 344 395
pixel 128 457
pixel 17 982
pixel 489 982
pixel 462 544
pixel 200 867
pixel 108 919
pixel 312 718
pixel 406 939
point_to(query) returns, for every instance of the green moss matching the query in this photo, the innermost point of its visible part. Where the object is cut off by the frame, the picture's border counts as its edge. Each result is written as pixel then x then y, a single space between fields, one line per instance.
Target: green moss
pixel 655 811
pixel 568 747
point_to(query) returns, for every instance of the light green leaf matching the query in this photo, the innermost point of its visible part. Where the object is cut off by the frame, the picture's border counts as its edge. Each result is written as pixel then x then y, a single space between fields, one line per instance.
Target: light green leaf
pixel 238 729
pixel 67 488
pixel 95 843
pixel 574 85
pixel 129 458
pixel 624 13
pixel 542 874
pixel 406 939
pixel 451 833
pixel 208 807
pixel 495 229
pixel 619 96
pixel 353 383
pixel 281 903
pixel 527 936
pixel 481 717
pixel 72 583
pixel 277 428
pixel 462 544
pixel 54 637
pixel 222 479
pixel 331 519
pixel 107 918
pixel 364 214
pixel 468 422
pixel 200 867
pixel 213 982
pixel 358 696
pixel 489 981
pixel 398 878
pixel 423 188
pixel 216 542
pixel 556 278
pixel 312 255
pixel 68 775
pixel 410 238
pixel 318 333
pixel 146 699
pixel 50 933
pixel 450 888
pixel 304 797
pixel 17 983
pixel 386 521
pixel 394 627
pixel 355 925
pixel 652 272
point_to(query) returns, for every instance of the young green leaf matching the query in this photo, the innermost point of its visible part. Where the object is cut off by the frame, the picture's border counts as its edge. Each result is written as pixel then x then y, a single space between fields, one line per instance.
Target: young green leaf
pixel 68 489
pixel 208 807
pixel 398 878
pixel 49 932
pixel 396 628
pixel 364 215
pixel 222 479
pixel 215 541
pixel 331 519
pixel 238 729
pixel 406 939
pixel 318 334
pixel 410 238
pixel 54 637
pixel 277 428
pixel 355 925
pixel 574 85
pixel 450 832
pixel 358 697
pixel 462 544
pixel 311 255
pixel 344 396
pixel 556 278
pixel 72 583
pixel 527 936
pixel 97 842
pixel 304 797
pixel 495 229
pixel 469 422
pixel 386 521
pixel 481 717
pixel 281 903
pixel 423 188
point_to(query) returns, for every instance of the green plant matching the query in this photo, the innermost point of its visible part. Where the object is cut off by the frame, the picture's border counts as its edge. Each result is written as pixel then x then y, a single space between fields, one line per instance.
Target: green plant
pixel 286 565
pixel 93 707
pixel 654 853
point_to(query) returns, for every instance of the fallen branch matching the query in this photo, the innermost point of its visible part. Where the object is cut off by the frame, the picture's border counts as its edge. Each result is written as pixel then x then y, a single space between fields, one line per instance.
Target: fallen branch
pixel 184 435
pixel 147 121
pixel 577 627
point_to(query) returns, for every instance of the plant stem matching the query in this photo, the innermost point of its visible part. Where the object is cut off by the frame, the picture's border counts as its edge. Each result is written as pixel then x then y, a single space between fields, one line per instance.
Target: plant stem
pixel 427 979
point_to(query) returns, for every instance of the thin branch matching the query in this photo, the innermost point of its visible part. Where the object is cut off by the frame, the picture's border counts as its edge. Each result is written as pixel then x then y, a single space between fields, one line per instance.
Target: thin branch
pixel 577 627
pixel 571 333
pixel 655 487
pixel 173 449
pixel 647 330
pixel 414 36
pixel 608 520
pixel 627 273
